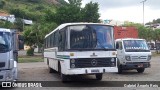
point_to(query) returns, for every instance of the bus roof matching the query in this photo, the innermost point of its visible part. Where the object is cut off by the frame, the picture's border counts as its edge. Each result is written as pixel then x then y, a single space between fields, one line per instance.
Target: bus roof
pixel 4 30
pixel 67 24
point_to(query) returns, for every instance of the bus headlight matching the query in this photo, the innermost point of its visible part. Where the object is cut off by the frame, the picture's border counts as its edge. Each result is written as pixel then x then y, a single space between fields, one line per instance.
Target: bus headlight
pixel 149 57
pixel 128 58
pixel 72 65
pixel 112 60
pixel 72 61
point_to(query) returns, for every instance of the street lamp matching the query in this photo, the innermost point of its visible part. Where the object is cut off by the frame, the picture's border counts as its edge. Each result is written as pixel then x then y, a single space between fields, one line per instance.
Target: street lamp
pixel 143 9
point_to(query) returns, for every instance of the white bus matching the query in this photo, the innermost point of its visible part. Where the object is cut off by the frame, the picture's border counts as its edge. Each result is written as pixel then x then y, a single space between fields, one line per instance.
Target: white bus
pixel 81 48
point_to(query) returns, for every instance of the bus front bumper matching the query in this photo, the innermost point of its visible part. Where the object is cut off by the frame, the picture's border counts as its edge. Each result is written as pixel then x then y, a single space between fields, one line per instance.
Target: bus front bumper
pixel 76 71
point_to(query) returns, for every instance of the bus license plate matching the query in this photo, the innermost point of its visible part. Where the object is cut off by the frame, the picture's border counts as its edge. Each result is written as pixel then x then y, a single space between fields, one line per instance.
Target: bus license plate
pixel 140 65
pixel 95 71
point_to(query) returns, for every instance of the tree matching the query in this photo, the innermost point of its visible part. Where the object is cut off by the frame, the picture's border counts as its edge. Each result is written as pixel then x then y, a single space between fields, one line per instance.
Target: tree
pixel 90 12
pixel 156 37
pixel 68 13
pixel 6 24
pixel 19 24
pixel 155 21
pixel 143 32
pixel 2 4
pixel 76 3
pixel 34 35
pixel 72 12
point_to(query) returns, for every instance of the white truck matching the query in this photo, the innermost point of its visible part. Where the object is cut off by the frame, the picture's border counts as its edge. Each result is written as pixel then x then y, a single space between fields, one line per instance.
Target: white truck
pixel 8 55
pixel 132 54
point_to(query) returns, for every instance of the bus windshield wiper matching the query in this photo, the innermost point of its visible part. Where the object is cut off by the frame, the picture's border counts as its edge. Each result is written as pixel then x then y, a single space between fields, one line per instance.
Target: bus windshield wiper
pixel 102 45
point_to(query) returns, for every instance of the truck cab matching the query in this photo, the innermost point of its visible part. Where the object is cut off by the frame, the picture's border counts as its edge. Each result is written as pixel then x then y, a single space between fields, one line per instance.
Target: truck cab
pixel 8 55
pixel 132 53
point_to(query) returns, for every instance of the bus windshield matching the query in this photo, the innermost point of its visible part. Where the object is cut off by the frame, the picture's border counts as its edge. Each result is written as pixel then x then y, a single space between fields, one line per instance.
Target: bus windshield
pixel 4 41
pixel 135 45
pixel 91 37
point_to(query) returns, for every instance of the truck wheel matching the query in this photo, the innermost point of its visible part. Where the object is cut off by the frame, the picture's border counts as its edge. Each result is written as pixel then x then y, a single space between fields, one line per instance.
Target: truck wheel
pixel 119 69
pixel 140 70
pixel 99 76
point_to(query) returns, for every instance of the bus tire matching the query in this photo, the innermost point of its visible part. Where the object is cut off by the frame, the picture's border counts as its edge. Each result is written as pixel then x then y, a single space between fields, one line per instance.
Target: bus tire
pixel 64 78
pixel 99 76
pixel 140 70
pixel 51 70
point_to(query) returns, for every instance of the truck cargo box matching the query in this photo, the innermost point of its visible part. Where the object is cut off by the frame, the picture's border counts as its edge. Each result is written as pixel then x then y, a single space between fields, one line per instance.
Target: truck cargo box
pixel 125 32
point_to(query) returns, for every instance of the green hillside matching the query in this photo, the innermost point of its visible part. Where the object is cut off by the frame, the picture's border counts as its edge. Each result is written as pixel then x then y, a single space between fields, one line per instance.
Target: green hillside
pixel 30 9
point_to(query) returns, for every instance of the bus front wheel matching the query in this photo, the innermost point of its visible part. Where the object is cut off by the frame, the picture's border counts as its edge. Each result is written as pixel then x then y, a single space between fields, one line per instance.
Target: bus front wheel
pixel 64 78
pixel 140 70
pixel 99 76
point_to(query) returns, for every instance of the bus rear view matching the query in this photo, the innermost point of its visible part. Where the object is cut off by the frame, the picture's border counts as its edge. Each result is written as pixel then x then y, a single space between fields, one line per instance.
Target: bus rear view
pixel 81 48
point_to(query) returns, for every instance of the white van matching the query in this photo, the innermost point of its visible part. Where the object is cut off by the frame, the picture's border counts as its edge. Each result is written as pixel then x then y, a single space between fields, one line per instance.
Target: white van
pixel 132 54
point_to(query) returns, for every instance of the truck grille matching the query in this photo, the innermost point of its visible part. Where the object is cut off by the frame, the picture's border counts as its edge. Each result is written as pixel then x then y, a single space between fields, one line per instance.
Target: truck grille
pixel 93 62
pixel 139 57
pixel 1 77
pixel 2 64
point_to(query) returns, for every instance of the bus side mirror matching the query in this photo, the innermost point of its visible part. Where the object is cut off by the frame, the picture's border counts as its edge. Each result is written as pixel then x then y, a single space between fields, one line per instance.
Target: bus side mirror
pixel 20 42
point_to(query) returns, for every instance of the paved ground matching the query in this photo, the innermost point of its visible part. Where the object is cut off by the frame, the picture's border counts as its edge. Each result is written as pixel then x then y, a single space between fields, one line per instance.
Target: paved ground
pixel 39 72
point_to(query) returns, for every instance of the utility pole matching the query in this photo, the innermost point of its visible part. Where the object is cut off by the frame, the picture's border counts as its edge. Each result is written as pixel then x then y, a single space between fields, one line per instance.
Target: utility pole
pixel 143 10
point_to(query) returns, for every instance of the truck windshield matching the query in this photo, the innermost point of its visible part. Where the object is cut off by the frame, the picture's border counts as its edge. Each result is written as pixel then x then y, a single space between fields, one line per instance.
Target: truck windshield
pixel 91 37
pixel 135 46
pixel 4 42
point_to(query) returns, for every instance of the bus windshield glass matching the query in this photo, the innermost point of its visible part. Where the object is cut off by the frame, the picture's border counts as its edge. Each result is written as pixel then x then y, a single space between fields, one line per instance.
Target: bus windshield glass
pixel 91 37
pixel 135 45
pixel 4 41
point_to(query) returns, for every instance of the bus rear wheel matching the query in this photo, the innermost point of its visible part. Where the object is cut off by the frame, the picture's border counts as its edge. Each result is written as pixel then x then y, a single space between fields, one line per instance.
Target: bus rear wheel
pixel 99 76
pixel 51 70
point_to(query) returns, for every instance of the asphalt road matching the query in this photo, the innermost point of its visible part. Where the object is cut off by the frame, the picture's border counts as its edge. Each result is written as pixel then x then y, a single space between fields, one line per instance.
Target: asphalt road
pixel 39 72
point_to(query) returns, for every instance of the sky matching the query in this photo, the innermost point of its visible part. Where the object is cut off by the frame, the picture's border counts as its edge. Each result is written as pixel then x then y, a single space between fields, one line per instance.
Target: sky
pixel 127 10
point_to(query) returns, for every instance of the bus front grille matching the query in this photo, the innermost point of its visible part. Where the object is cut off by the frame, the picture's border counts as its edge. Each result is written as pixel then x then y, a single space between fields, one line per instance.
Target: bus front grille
pixel 92 62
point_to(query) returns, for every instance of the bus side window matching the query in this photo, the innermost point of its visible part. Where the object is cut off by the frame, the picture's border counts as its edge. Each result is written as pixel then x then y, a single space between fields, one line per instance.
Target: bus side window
pixel 55 44
pixel 62 39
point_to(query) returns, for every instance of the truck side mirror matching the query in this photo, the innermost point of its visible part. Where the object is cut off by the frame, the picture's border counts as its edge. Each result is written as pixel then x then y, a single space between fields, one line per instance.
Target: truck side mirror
pixel 20 42
pixel 117 45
